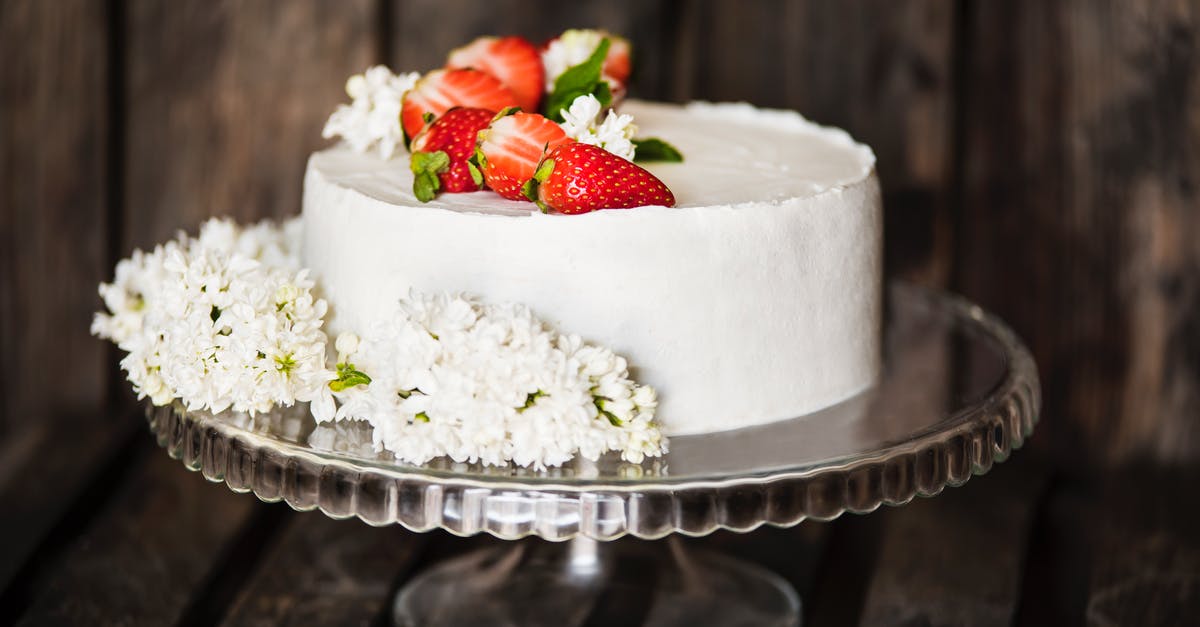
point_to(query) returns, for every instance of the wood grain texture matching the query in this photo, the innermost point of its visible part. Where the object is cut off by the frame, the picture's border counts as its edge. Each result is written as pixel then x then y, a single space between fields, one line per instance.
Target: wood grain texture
pixel 882 71
pixel 147 552
pixel 959 558
pixel 1079 220
pixel 226 102
pixel 53 244
pixel 1119 548
pixel 424 31
pixel 43 477
pixel 326 572
pixel 795 554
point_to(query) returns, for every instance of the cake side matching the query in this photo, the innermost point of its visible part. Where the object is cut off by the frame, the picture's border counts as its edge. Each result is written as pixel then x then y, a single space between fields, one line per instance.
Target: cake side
pixel 740 313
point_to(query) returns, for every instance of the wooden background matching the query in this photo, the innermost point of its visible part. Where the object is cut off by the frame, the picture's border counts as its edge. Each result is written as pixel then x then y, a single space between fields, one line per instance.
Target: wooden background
pixel 1040 157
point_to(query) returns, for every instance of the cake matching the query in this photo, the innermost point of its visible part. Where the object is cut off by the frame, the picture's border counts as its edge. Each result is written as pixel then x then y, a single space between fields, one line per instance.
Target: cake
pixel 756 298
pixel 505 261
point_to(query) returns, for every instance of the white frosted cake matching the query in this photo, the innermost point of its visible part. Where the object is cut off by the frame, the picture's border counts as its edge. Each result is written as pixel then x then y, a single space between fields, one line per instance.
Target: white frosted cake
pixel 756 298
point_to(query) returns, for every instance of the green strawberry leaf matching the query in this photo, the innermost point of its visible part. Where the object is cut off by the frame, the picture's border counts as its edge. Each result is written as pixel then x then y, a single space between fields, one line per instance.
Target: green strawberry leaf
pixel 654 149
pixel 580 80
pixel 425 168
pixel 505 112
pixel 478 159
pixel 529 190
pixel 476 175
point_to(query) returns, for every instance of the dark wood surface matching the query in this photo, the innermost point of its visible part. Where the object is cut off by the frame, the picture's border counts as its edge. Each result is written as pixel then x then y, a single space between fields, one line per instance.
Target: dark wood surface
pixel 1040 157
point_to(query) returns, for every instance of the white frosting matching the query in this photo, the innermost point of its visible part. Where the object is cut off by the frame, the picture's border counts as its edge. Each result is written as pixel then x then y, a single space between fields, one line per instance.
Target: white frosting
pixel 756 299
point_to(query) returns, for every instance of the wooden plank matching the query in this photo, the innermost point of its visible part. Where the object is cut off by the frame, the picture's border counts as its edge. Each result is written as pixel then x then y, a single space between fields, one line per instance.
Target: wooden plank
pixel 53 233
pixel 34 518
pixel 327 572
pixel 882 71
pixel 841 582
pixel 147 553
pixel 1079 220
pixel 794 554
pixel 1118 548
pixel 958 558
pixel 419 47
pixel 225 103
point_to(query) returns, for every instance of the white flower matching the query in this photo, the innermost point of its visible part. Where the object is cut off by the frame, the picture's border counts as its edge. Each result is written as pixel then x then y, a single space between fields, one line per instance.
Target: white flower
pixel 580 118
pixel 228 320
pixel 210 322
pixel 372 119
pixel 487 383
pixel 568 50
pixel 346 345
pixel 615 134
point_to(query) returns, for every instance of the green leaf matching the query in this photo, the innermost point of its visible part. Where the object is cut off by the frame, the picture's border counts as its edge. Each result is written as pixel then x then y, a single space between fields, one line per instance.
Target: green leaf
pixel 598 401
pixel 654 149
pixel 476 175
pixel 425 167
pixel 348 377
pixel 580 80
pixel 421 417
pixel 529 190
pixel 505 112
pixel 531 400
pixel 544 169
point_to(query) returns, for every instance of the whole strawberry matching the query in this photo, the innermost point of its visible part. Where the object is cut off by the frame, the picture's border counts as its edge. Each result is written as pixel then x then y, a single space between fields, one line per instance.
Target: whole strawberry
pixel 511 147
pixel 578 178
pixel 440 153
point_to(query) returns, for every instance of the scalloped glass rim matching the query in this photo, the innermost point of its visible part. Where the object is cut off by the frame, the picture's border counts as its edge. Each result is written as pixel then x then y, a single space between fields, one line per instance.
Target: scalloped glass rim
pixel 959 393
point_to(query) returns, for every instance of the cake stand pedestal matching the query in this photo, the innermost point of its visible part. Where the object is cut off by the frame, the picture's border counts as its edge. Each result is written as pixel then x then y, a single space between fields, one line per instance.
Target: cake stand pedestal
pixel 958 393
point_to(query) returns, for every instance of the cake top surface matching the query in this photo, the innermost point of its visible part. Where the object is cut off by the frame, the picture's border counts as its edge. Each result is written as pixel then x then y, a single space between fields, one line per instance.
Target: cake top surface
pixel 734 154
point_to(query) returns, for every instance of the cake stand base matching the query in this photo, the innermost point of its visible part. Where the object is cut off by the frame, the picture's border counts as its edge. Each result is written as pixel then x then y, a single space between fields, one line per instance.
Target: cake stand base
pixel 584 582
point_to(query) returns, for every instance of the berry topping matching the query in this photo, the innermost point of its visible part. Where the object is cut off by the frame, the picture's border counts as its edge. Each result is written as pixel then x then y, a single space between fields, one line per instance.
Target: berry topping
pixel 441 90
pixel 617 65
pixel 514 61
pixel 574 46
pixel 441 153
pixel 578 178
pixel 511 147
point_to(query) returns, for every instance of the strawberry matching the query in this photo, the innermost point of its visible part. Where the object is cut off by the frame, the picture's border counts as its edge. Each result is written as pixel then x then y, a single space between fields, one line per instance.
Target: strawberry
pixel 581 43
pixel 511 147
pixel 514 61
pixel 440 153
pixel 578 178
pixel 440 90
pixel 616 63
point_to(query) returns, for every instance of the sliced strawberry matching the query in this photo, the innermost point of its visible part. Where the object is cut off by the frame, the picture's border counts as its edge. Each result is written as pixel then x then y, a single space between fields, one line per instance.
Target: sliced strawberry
pixel 616 63
pixel 578 178
pixel 511 147
pixel 514 61
pixel 574 46
pixel 441 90
pixel 441 153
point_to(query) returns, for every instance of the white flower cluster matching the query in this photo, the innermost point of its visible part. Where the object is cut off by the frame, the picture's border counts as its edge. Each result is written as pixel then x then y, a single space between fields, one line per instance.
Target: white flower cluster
pixel 372 120
pixel 491 383
pixel 224 320
pixel 571 48
pixel 614 134
pixel 228 320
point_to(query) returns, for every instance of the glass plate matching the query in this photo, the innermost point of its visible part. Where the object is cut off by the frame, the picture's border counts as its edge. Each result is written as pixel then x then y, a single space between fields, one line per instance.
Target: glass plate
pixel 958 392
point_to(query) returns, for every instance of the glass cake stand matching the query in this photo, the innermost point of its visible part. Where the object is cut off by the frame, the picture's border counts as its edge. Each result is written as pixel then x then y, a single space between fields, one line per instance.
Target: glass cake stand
pixel 958 393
